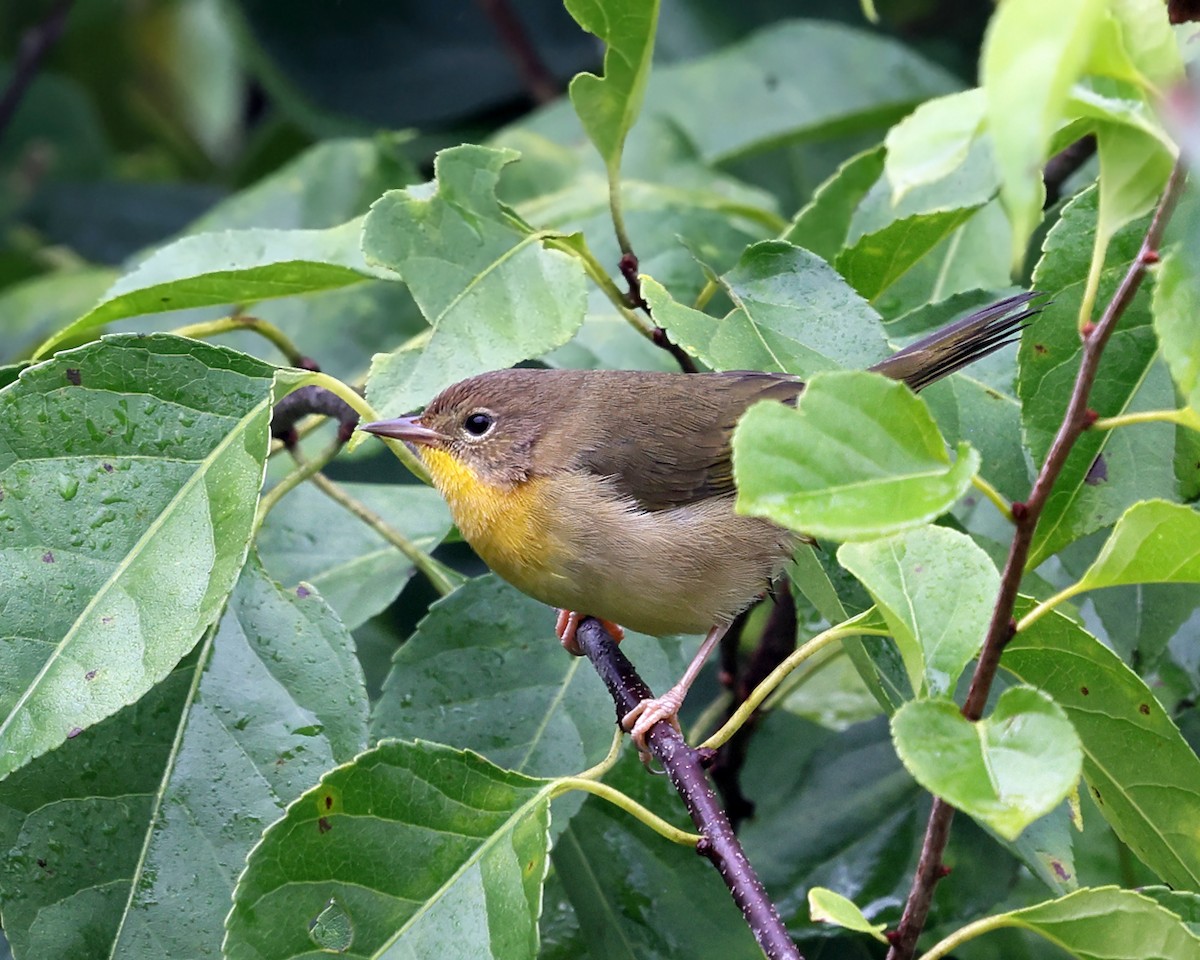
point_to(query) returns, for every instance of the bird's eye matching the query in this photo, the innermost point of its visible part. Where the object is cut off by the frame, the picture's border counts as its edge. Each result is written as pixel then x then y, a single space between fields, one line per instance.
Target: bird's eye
pixel 478 423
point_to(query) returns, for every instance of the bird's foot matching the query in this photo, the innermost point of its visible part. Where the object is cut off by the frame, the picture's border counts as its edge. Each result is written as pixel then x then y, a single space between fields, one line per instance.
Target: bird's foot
pixel 646 714
pixel 568 622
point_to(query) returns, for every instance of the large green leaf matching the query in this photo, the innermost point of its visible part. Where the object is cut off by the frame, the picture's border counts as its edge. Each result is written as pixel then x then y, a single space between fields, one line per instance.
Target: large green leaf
pixel 1106 923
pixel 34 309
pixel 165 798
pixel 609 105
pixel 824 223
pixel 936 589
pixel 860 457
pixel 493 295
pixel 1176 305
pixel 784 300
pixel 410 847
pixel 1006 770
pixel 761 88
pixel 235 266
pixel 1108 470
pixel 484 671
pixel 1153 542
pixel 130 470
pixel 1032 54
pixel 312 539
pixel 1144 776
pixel 933 141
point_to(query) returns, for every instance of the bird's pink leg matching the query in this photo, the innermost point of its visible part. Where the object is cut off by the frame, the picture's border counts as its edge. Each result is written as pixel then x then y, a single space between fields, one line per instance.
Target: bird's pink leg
pixel 646 714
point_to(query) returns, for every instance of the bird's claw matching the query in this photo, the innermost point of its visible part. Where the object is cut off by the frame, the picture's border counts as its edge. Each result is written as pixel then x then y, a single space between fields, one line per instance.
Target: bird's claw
pixel 568 622
pixel 642 718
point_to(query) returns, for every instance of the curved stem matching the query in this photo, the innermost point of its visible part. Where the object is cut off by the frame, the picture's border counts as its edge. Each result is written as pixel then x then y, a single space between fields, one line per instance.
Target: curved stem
pixel 994 495
pixel 1049 604
pixel 628 804
pixel 777 676
pixel 264 328
pixel 443 579
pixel 610 759
pixel 600 277
pixel 614 206
pixel 960 936
pixel 1185 417
pixel 303 471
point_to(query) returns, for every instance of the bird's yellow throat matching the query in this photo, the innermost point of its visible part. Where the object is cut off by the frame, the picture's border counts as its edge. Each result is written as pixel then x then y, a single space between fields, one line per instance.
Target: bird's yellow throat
pixel 506 524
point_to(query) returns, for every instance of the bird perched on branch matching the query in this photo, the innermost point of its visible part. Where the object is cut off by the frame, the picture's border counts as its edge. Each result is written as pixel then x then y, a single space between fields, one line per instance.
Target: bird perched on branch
pixel 610 493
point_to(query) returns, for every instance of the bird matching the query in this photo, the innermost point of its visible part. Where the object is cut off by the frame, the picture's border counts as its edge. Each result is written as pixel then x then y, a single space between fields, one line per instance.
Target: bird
pixel 610 493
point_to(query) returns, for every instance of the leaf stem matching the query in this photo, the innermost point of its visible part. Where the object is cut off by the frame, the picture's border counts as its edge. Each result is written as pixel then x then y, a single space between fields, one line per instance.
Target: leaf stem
pixel 443 578
pixel 264 328
pixel 304 470
pixel 1184 417
pixel 960 936
pixel 614 206
pixel 851 628
pixel 628 804
pixel 1001 629
pixel 1047 605
pixel 994 495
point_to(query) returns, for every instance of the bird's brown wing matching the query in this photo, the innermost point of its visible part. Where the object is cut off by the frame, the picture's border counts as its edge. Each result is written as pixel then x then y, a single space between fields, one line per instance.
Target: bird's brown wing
pixel 678 450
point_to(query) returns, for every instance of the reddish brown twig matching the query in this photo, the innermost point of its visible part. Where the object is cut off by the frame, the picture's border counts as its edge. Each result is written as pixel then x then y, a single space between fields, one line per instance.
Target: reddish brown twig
pixel 686 769
pixel 1025 517
pixel 35 44
pixel 537 79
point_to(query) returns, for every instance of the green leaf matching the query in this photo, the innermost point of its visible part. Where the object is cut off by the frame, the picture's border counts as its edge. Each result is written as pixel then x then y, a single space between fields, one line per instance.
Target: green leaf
pixel 860 457
pixel 608 106
pixel 164 799
pixel 1142 773
pixel 784 297
pixel 234 266
pixel 823 224
pixel 1134 167
pixel 1106 923
pixel 1006 770
pixel 483 671
pixel 1108 470
pixel 34 309
pixel 493 295
pixel 419 845
pixel 126 518
pixel 936 590
pixel 1176 305
pixel 310 538
pixel 825 906
pixel 1146 39
pixel 933 141
pixel 877 260
pixel 1032 54
pixel 761 88
pixel 1153 542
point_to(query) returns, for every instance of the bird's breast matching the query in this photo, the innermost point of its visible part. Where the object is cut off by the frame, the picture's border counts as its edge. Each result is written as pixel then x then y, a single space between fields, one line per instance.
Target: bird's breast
pixel 507 525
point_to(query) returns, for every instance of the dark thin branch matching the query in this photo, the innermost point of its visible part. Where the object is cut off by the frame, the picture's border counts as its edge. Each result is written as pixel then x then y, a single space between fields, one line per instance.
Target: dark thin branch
pixel 686 769
pixel 537 79
pixel 777 642
pixel 308 400
pixel 1064 163
pixel 35 44
pixel 629 270
pixel 1025 515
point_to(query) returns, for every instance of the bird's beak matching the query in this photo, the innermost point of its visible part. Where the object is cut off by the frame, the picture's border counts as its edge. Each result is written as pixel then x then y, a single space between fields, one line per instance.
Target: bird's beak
pixel 408 429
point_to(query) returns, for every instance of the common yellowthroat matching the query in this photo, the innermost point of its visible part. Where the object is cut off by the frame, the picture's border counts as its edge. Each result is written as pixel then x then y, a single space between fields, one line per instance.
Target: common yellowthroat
pixel 610 493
